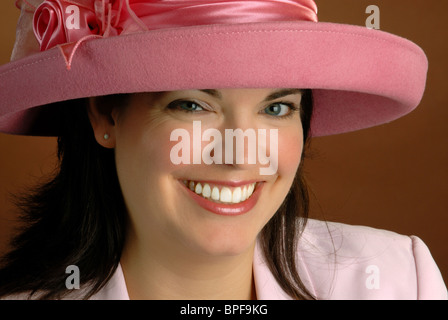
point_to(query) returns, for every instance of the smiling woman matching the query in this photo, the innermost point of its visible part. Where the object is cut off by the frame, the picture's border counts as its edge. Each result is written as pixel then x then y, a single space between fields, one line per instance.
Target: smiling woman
pixel 174 227
pixel 166 224
pixel 138 212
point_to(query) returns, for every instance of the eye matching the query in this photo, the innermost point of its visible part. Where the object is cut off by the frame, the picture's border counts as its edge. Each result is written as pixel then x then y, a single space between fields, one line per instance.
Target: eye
pixel 185 105
pixel 278 109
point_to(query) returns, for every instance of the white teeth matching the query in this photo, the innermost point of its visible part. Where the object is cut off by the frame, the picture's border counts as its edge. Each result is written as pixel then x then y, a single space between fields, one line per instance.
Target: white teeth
pixel 206 191
pixel 198 188
pixel 236 196
pixel 225 195
pixel 215 193
pixel 250 189
pixel 244 194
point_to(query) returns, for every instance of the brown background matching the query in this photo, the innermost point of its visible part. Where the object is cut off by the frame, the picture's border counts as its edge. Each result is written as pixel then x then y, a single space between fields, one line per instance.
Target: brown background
pixel 393 177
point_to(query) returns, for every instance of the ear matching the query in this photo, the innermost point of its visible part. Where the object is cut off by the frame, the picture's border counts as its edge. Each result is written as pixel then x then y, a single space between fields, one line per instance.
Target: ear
pixel 103 123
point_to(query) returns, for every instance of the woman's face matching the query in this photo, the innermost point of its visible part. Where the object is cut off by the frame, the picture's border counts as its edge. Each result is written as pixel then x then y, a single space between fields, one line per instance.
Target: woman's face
pixel 214 209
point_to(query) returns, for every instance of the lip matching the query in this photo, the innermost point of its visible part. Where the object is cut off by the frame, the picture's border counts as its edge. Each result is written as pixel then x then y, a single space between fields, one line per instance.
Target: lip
pixel 235 183
pixel 234 209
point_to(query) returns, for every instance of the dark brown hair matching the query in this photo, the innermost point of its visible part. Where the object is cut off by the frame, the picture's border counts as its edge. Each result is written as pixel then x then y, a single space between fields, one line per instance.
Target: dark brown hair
pixel 280 236
pixel 78 217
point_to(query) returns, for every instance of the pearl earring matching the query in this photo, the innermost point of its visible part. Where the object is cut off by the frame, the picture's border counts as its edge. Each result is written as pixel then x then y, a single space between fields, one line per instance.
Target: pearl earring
pixel 106 136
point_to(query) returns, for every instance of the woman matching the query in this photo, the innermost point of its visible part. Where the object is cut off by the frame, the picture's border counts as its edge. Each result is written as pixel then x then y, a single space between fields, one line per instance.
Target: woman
pixel 147 205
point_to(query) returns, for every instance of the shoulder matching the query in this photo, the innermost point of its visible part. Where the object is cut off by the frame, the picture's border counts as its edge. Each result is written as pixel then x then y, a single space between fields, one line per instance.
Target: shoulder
pixel 340 261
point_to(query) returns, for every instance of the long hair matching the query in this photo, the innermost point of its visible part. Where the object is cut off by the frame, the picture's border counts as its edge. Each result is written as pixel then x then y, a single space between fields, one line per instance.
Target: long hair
pixel 280 235
pixel 78 217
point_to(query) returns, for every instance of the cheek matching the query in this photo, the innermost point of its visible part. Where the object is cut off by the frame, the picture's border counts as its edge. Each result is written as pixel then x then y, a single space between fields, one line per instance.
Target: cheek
pixel 161 151
pixel 147 151
pixel 290 147
pixel 144 167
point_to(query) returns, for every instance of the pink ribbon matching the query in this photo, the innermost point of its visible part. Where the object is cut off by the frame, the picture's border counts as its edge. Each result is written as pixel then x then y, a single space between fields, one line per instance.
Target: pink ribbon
pixel 57 24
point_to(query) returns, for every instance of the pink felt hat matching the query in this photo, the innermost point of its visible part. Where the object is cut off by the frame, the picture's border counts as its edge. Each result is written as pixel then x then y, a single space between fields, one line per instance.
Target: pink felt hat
pixel 68 49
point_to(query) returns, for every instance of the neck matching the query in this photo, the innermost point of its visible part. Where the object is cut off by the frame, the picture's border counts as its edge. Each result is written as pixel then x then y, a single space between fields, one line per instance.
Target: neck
pixel 159 272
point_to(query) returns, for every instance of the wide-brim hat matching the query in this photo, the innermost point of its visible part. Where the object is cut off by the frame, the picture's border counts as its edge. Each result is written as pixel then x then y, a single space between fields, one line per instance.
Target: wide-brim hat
pixel 81 48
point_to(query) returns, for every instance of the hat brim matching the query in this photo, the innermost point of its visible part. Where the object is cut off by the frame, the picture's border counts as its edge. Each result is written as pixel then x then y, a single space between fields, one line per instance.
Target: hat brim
pixel 360 77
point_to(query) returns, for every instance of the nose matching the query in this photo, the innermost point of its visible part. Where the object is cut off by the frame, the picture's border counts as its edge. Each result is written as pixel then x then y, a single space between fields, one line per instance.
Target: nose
pixel 240 137
pixel 246 145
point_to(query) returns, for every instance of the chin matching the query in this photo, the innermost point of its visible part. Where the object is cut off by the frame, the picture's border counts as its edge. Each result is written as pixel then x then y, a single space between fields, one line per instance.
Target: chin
pixel 224 242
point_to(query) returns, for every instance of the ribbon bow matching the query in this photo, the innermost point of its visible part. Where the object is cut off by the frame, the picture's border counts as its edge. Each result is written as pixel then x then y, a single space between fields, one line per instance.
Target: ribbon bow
pixel 68 23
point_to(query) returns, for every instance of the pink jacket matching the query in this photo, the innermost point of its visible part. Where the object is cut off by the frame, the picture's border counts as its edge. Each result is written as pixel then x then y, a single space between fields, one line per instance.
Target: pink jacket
pixel 339 261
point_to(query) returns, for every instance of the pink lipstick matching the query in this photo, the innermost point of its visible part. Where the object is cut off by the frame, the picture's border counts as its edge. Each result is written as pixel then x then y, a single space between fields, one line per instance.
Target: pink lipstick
pixel 227 198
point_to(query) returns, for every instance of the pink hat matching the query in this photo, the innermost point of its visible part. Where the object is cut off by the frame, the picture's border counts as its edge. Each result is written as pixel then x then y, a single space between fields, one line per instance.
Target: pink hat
pixel 68 49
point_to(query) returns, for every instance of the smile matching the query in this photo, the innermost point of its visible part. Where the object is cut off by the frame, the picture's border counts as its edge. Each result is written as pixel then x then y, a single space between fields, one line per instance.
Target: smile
pixel 224 198
pixel 221 194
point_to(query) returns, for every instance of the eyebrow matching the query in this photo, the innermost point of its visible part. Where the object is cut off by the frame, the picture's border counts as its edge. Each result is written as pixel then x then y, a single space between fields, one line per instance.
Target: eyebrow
pixel 212 92
pixel 282 93
pixel 272 96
